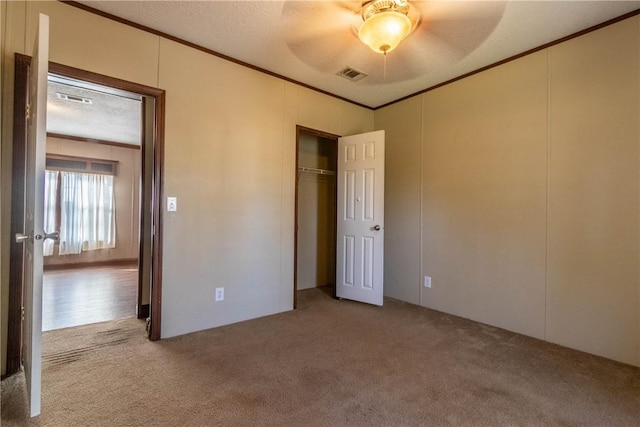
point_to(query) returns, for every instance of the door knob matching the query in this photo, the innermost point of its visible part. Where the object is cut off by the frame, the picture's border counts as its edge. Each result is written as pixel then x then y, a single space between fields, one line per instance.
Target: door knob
pixel 376 227
pixel 55 235
pixel 21 238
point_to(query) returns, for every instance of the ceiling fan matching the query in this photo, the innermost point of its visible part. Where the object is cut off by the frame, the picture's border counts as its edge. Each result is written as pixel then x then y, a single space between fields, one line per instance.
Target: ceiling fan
pixel 331 35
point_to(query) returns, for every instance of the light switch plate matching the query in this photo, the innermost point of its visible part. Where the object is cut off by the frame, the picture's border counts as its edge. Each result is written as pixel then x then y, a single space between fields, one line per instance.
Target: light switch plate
pixel 172 204
pixel 427 281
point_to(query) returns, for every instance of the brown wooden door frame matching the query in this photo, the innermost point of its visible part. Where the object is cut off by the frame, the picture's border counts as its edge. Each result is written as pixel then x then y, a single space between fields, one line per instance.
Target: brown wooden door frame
pixel 334 139
pixel 154 232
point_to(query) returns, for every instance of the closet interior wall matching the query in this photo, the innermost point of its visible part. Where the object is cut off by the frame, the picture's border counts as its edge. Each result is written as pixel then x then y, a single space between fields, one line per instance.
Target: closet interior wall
pixel 316 211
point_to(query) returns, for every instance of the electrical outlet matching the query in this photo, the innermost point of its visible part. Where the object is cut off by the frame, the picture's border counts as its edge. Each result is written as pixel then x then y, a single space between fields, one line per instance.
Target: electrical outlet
pixel 172 204
pixel 427 281
pixel 219 294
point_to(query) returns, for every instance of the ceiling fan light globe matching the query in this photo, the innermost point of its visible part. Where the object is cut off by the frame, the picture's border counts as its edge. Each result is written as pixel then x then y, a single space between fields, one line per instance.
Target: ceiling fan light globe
pixel 384 31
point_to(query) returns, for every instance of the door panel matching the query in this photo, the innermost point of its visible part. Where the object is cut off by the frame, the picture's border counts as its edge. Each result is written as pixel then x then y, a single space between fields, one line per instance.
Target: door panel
pixel 360 226
pixel 34 235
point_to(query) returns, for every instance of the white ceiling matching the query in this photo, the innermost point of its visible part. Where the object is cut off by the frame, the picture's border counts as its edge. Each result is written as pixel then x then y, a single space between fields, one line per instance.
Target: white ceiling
pixel 106 115
pixel 310 41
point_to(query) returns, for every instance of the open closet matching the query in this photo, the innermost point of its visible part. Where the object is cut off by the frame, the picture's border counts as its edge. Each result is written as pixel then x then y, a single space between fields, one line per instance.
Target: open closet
pixel 315 209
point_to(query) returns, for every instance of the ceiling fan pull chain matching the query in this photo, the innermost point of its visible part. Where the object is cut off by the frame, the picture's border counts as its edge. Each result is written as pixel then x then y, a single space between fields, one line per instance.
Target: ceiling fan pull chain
pixel 385 65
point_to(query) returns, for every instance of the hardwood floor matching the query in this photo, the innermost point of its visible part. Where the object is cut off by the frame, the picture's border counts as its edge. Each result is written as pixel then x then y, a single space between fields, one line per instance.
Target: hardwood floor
pixel 88 295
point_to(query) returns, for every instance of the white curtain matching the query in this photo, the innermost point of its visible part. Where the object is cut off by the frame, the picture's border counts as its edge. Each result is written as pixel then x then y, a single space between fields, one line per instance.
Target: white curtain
pixel 50 198
pixel 87 219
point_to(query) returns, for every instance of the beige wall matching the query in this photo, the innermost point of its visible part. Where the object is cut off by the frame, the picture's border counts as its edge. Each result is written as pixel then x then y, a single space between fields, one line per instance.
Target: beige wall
pixel 483 210
pixel 235 135
pixel 593 286
pixel 402 125
pixel 230 160
pixel 127 192
pixel 530 194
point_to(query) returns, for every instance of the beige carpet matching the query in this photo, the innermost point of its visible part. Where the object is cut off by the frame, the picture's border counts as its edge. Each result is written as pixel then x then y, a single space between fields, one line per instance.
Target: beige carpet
pixel 329 363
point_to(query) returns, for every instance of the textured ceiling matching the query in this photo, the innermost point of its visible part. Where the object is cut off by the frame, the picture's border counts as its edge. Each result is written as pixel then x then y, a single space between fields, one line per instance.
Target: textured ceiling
pixel 111 115
pixel 310 41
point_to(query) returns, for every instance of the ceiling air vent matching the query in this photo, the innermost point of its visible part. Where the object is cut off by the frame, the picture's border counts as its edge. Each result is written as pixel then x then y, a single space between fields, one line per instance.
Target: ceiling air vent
pixel 74 98
pixel 351 74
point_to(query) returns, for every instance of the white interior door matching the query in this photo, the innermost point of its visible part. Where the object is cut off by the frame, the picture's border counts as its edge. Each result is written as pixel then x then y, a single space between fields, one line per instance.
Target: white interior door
pixel 34 234
pixel 360 224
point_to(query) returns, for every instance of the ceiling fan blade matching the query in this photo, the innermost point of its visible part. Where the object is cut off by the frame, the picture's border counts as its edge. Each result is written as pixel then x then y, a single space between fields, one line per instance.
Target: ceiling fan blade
pixel 349 6
pixel 320 33
pixel 305 16
pixel 456 29
pixel 326 52
pixel 323 34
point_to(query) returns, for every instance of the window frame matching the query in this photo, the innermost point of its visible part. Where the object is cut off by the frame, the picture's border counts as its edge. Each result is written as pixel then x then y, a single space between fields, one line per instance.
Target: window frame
pixel 87 164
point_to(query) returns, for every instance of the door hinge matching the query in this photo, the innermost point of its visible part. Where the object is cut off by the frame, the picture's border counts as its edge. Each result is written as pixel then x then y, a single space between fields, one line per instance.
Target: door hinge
pixel 22 314
pixel 27 111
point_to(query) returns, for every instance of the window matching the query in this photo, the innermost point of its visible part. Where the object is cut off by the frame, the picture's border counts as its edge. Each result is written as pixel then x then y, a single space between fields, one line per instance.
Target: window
pixel 81 204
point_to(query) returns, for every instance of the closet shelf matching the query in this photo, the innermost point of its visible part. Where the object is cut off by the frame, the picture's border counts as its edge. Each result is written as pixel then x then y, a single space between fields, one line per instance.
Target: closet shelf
pixel 316 171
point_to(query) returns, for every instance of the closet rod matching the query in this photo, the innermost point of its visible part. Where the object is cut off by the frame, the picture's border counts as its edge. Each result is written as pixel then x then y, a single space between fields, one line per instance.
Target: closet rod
pixel 316 171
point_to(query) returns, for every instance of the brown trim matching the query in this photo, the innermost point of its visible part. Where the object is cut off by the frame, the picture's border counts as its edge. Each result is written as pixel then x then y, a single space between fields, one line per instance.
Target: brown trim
pixel 320 133
pixel 142 311
pixel 295 221
pixel 518 56
pixel 334 138
pixel 92 140
pixel 157 218
pixel 108 263
pixel 205 50
pixel 142 216
pixel 14 326
pixel 144 270
pixel 100 79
